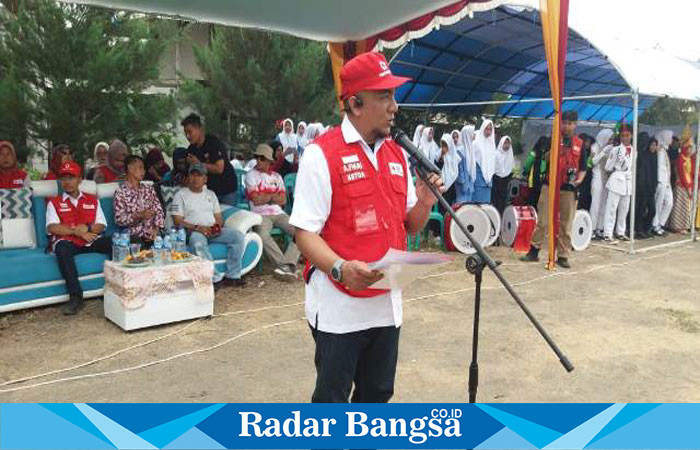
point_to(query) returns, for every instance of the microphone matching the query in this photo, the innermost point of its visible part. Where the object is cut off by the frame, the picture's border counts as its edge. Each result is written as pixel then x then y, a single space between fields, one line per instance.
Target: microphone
pixel 406 143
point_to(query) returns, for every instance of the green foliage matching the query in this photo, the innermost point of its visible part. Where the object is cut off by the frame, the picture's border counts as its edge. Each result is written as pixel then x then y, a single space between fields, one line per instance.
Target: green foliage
pixel 669 111
pixel 255 78
pixel 77 74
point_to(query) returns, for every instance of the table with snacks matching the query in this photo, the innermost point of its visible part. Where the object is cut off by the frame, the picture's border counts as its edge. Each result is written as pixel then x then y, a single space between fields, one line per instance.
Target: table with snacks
pixel 142 291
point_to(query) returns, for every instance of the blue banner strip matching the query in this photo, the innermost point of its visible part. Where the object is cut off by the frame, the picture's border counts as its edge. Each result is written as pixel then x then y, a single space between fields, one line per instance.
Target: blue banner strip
pixel 312 426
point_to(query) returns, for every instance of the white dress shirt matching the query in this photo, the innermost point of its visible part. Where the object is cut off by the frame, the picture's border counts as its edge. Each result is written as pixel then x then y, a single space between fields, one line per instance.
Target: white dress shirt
pixel 327 308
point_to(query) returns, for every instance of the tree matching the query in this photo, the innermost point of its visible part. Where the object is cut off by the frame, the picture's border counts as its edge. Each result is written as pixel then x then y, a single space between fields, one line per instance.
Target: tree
pixel 77 74
pixel 254 78
pixel 669 111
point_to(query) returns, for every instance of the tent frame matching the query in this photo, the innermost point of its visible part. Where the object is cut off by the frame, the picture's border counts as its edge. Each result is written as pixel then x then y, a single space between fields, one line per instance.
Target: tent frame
pixel 634 94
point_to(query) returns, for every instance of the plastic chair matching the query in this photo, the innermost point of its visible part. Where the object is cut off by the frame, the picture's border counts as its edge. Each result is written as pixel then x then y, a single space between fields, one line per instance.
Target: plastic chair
pixel 436 216
pixel 290 181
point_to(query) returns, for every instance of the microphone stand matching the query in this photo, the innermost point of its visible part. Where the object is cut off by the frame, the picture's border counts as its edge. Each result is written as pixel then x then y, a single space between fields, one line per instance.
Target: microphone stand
pixel 475 265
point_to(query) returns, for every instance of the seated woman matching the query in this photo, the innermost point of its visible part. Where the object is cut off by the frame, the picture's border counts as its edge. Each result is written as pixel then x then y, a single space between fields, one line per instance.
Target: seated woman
pixel 99 158
pixel 136 205
pixel 60 154
pixel 177 177
pixel 156 167
pixel 113 169
pixel 11 176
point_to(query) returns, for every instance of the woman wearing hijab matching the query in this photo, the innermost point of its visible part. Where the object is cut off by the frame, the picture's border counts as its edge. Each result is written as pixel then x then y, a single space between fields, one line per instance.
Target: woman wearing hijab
pixel 683 191
pixel 663 198
pixel 113 169
pixel 59 154
pixel 448 162
pixel 485 156
pixel 503 173
pixel 11 176
pixel 156 167
pixel 417 134
pixel 177 177
pixel 428 146
pixel 289 140
pixel 99 158
pixel 600 152
pixel 301 136
pixel 464 185
pixel 646 177
pixel 313 130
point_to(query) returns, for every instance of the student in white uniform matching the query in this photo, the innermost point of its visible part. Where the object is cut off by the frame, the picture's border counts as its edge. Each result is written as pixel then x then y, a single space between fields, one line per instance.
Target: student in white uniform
pixel 664 191
pixel 619 187
pixel 600 151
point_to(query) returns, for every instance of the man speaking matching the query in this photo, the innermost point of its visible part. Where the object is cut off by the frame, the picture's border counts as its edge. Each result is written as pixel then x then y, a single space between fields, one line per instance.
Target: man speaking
pixel 354 200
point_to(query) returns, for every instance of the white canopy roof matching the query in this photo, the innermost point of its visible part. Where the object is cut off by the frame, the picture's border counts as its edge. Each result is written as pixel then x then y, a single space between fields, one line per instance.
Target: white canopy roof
pixel 327 20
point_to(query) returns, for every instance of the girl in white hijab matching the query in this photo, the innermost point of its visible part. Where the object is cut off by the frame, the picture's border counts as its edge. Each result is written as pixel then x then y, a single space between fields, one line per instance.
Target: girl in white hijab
pixel 448 160
pixel 485 156
pixel 600 150
pixel 417 135
pixel 288 139
pixel 503 173
pixel 301 135
pixel 428 146
pixel 467 166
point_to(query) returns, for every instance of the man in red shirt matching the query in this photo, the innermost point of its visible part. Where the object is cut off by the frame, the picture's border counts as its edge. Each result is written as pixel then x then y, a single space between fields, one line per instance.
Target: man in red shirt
pixel 75 222
pixel 571 172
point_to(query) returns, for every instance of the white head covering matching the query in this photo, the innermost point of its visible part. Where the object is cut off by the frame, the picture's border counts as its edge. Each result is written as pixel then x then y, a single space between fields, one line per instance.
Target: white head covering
pixel 603 137
pixel 313 130
pixel 504 158
pixel 450 167
pixel 485 151
pixel 288 140
pixel 417 135
pixel 93 162
pixel 664 137
pixel 428 146
pixel 452 133
pixel 301 136
pixel 467 141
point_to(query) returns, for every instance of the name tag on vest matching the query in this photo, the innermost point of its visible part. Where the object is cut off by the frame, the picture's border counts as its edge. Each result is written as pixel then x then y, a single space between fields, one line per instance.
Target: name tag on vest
pixel 87 206
pixel 396 169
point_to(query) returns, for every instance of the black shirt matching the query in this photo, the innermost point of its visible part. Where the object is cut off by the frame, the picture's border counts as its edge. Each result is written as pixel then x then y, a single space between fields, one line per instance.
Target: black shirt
pixel 210 152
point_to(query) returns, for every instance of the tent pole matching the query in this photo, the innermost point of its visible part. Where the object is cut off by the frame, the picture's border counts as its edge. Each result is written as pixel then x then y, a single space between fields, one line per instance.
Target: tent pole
pixel 505 102
pixel 694 209
pixel 633 200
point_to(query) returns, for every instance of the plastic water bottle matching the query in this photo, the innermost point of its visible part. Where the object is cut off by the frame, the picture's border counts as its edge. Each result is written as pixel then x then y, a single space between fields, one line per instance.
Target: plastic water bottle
pixel 158 250
pixel 167 248
pixel 116 242
pixel 181 240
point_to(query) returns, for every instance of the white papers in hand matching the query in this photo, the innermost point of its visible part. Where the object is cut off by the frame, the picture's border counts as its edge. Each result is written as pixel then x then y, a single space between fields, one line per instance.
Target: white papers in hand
pixel 402 268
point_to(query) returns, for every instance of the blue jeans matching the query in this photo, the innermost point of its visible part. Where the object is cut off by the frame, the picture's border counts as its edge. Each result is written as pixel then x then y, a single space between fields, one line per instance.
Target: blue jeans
pixel 228 199
pixel 233 240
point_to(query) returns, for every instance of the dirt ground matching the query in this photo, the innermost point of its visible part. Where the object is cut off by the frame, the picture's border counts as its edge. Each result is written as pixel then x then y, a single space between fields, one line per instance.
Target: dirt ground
pixel 629 323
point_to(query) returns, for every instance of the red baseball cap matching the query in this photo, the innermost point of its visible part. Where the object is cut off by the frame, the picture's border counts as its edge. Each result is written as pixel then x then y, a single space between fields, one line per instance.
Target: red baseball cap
pixel 69 168
pixel 368 72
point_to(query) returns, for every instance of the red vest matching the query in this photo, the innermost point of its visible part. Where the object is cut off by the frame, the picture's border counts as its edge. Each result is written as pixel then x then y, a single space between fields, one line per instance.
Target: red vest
pixel 82 214
pixel 14 179
pixel 368 208
pixel 569 158
pixel 110 176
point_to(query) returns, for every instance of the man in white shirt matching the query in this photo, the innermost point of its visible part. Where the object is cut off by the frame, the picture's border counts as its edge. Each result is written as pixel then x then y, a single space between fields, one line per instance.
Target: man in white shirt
pixel 354 200
pixel 619 187
pixel 75 223
pixel 197 209
pixel 267 195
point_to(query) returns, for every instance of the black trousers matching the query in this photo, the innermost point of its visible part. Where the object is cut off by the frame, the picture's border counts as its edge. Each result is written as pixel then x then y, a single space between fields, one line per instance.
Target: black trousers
pixel 65 255
pixel 366 358
pixel 644 211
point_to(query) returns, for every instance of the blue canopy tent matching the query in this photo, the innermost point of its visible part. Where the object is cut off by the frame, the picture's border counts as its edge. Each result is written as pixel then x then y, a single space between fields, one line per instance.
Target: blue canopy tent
pixel 457 69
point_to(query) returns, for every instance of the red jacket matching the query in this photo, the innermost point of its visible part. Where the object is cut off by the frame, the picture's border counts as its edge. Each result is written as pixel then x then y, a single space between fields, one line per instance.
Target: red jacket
pixel 83 214
pixel 13 179
pixel 368 207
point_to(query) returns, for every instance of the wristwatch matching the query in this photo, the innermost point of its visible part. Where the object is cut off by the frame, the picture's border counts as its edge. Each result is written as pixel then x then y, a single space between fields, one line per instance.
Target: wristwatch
pixel 337 270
